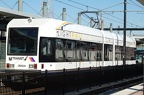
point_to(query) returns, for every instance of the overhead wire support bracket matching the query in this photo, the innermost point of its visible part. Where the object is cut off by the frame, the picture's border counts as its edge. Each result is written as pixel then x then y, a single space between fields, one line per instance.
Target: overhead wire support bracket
pixel 97 13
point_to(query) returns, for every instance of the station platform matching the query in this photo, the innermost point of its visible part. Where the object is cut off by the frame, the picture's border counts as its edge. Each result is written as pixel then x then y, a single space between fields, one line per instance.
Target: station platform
pixel 134 90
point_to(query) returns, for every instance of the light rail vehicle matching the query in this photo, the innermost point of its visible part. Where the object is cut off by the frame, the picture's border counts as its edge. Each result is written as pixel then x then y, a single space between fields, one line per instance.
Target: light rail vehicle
pixel 50 44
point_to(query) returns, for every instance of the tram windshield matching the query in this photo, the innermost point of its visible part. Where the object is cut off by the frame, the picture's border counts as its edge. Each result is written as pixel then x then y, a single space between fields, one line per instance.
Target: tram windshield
pixel 22 41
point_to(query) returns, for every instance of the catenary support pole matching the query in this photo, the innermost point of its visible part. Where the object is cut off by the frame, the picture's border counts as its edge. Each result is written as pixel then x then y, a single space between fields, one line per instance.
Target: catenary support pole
pixel 91 22
pixel 124 35
pixel 79 18
pixel 111 30
pixel 20 5
pixel 118 30
pixel 44 9
pixel 64 14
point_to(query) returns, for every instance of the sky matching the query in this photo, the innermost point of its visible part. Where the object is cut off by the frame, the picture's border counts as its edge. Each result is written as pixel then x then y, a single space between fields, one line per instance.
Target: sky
pixel 111 11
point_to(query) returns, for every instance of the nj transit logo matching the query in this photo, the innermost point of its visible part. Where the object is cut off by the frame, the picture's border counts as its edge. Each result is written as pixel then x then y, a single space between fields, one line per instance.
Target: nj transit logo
pixel 31 59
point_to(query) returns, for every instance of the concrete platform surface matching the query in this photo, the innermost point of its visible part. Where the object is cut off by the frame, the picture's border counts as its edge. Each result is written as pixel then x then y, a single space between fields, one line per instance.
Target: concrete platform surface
pixel 134 90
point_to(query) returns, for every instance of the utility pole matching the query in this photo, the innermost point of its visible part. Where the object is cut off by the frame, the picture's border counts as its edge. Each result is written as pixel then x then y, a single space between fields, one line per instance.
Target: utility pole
pixel 124 35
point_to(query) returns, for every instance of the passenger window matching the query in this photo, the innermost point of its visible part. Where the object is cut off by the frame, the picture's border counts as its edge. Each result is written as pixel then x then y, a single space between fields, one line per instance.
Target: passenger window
pixel 118 53
pixel 59 50
pixel 46 50
pixel 65 50
pixel 108 53
pixel 70 51
pixel 92 52
pixel 46 46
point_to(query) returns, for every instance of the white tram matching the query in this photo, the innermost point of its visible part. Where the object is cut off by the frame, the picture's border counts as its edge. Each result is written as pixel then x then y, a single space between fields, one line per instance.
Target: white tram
pixel 49 44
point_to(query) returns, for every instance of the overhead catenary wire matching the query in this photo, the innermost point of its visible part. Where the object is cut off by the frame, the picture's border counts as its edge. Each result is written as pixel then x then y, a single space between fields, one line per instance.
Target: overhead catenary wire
pixel 54 13
pixel 71 17
pixel 112 6
pixel 14 5
pixel 137 5
pixel 69 5
pixel 32 8
pixel 88 7
pixel 8 5
pixel 5 4
pixel 59 16
pixel 105 12
pixel 89 18
pixel 126 21
pixel 83 5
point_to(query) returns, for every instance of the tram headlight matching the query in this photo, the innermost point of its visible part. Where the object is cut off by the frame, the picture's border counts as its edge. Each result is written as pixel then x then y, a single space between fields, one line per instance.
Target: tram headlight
pixel 34 66
pixel 31 66
pixel 12 65
pixel 8 65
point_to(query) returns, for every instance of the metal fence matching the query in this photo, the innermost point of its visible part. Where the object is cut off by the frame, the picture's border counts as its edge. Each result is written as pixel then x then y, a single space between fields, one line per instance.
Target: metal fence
pixel 62 82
